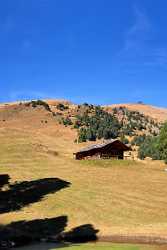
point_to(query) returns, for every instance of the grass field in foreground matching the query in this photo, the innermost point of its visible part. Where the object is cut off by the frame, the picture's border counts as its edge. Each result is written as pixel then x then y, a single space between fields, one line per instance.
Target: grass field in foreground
pixel 94 247
pixel 115 197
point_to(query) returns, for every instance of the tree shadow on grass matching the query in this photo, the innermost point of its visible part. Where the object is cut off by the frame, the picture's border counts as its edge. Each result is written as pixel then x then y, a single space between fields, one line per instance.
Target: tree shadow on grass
pixel 24 193
pixel 15 196
pixel 4 180
pixel 81 234
pixel 23 233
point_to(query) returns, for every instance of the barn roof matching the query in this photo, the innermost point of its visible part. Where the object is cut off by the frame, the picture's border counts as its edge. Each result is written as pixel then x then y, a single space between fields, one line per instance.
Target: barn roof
pixel 101 145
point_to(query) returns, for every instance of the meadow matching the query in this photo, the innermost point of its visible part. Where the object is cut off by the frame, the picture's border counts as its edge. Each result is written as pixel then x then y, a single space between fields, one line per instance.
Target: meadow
pixel 116 197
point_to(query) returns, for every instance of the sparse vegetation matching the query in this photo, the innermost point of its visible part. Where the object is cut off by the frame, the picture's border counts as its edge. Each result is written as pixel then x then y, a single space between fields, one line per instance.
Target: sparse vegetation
pixel 94 122
pixel 138 140
pixel 155 146
pixel 133 121
pixel 62 107
pixel 149 148
pixel 37 103
pixel 67 121
pixel 124 139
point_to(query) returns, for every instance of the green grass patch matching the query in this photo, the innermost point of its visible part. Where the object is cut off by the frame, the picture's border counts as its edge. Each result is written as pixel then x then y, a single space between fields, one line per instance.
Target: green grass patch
pixel 98 246
pixel 102 247
pixel 109 163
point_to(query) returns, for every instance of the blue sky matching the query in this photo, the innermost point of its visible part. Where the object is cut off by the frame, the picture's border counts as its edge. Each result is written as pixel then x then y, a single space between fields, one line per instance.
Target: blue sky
pixel 96 51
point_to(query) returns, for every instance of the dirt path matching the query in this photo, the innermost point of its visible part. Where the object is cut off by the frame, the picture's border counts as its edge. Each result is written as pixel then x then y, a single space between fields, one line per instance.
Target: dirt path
pixel 135 239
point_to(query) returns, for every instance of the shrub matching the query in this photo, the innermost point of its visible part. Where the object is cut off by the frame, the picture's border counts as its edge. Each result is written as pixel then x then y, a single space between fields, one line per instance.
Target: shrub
pixel 67 121
pixel 62 107
pixel 138 140
pixel 155 146
pixel 162 143
pixel 149 148
pixel 124 139
pixel 98 124
pixel 82 137
pixel 34 104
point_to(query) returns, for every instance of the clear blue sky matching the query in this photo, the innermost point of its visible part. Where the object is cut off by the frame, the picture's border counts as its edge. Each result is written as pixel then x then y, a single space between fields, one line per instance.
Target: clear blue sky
pixel 96 51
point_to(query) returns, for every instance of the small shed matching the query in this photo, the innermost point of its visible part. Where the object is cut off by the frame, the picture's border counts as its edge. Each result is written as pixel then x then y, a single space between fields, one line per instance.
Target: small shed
pixel 110 149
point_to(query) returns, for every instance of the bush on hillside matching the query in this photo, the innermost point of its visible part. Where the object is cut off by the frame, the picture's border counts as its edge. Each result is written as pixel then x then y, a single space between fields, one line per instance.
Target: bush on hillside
pixel 138 140
pixel 62 107
pixel 149 148
pixel 124 139
pixel 96 123
pixel 155 146
pixel 82 137
pixel 162 143
pixel 67 121
pixel 37 103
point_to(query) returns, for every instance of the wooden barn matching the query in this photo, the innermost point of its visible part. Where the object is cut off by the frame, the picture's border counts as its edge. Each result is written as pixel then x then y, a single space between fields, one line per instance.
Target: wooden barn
pixel 111 149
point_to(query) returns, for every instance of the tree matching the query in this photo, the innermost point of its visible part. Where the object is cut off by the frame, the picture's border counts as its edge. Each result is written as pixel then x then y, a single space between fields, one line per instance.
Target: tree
pixel 62 107
pixel 155 146
pixel 82 135
pixel 91 135
pixel 124 139
pixel 162 143
pixel 138 140
pixel 67 121
pixel 150 148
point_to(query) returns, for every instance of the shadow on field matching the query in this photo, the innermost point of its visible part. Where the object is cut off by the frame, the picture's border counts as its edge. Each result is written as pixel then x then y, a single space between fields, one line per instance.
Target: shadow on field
pixel 4 180
pixel 24 193
pixel 81 234
pixel 14 197
pixel 25 232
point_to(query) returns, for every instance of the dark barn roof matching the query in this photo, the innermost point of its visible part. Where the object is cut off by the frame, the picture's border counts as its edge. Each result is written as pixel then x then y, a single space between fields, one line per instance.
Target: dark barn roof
pixel 102 146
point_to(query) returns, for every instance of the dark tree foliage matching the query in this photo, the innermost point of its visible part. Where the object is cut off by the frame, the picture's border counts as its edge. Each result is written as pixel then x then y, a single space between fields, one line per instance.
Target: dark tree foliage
pixel 155 146
pixel 62 107
pixel 124 139
pixel 97 124
pixel 82 137
pixel 94 122
pixel 67 121
pixel 149 148
pixel 138 140
pixel 133 121
pixel 162 143
pixel 37 103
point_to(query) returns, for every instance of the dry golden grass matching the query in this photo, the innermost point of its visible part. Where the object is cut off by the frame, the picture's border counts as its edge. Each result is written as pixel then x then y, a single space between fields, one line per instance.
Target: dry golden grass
pixel 160 114
pixel 116 197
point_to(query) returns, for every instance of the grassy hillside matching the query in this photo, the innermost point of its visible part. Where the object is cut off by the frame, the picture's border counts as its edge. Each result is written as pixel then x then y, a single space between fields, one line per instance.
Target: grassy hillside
pixel 160 114
pixel 95 122
pixel 116 197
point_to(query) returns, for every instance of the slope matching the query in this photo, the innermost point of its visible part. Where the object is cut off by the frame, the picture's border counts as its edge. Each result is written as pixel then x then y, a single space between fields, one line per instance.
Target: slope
pixel 160 114
pixel 116 197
